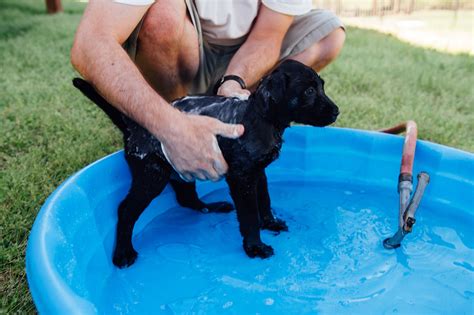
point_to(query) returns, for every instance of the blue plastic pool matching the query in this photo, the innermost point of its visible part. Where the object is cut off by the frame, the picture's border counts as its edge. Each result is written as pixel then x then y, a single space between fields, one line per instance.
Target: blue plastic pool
pixel 337 190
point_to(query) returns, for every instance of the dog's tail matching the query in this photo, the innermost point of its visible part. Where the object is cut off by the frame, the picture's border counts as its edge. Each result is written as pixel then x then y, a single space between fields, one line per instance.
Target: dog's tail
pixel 119 119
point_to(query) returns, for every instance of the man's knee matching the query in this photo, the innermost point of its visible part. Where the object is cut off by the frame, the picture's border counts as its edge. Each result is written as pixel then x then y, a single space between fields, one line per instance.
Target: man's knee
pixel 168 48
pixel 163 25
pixel 327 49
pixel 334 43
pixel 321 53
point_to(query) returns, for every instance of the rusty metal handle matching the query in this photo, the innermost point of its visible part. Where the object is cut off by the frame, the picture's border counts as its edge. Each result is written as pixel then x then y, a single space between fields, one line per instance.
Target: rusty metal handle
pixel 409 215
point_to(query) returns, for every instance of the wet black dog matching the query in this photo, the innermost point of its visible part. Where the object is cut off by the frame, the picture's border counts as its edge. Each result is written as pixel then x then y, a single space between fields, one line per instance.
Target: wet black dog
pixel 293 92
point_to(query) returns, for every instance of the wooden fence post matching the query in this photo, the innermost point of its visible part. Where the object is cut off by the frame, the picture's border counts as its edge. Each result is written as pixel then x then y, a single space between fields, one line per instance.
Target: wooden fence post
pixel 390 5
pixel 374 7
pixel 54 6
pixel 338 7
pixel 411 6
pixel 456 9
pixel 396 6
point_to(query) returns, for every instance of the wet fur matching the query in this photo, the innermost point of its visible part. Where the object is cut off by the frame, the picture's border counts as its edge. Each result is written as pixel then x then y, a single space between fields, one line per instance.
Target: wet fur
pixel 291 93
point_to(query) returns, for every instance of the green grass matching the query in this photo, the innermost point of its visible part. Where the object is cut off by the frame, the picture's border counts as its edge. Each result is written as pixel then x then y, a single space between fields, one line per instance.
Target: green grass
pixel 48 130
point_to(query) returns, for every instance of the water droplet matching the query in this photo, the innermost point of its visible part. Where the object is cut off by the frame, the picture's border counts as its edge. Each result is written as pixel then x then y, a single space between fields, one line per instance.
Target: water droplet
pixel 269 301
pixel 227 304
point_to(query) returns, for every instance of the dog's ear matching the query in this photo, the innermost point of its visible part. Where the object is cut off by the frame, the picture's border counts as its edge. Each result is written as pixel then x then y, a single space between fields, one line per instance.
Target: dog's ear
pixel 272 88
pixel 272 94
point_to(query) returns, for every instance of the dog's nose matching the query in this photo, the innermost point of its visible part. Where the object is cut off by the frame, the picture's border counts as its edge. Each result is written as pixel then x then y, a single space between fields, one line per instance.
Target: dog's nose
pixel 335 112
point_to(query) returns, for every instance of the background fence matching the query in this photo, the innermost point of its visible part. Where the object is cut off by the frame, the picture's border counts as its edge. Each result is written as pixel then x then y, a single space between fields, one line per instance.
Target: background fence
pixel 385 7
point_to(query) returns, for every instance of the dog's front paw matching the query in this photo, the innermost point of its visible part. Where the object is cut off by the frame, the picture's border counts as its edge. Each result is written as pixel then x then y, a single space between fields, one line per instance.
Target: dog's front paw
pixel 274 224
pixel 124 257
pixel 258 250
pixel 222 207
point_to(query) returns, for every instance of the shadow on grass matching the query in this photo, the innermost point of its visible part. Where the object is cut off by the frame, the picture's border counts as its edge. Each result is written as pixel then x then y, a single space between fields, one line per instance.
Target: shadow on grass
pixel 32 8
pixel 17 17
pixel 8 31
pixel 24 8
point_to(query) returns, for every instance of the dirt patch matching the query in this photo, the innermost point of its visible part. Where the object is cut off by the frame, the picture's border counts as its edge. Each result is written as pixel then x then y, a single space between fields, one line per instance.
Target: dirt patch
pixel 447 31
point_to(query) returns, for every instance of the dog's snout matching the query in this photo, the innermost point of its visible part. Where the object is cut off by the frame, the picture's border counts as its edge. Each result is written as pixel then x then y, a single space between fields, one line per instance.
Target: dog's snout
pixel 333 109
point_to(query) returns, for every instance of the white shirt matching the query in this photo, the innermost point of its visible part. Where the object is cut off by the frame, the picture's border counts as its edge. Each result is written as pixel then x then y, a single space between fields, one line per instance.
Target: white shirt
pixel 226 22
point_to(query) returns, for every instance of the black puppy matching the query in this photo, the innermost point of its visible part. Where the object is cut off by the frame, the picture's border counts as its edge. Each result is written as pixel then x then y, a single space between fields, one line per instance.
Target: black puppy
pixel 293 92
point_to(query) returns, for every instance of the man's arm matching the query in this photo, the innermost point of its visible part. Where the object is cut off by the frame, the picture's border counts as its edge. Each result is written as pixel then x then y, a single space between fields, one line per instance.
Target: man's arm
pixel 260 52
pixel 97 54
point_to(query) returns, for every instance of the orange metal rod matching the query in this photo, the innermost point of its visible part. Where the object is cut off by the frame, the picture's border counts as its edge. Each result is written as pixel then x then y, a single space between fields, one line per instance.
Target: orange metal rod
pixel 409 146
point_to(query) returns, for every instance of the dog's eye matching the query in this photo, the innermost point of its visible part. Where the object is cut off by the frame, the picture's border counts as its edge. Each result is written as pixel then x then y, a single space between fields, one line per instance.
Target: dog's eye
pixel 310 91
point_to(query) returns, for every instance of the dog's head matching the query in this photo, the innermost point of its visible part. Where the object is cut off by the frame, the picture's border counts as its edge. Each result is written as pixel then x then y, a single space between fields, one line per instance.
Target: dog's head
pixel 294 92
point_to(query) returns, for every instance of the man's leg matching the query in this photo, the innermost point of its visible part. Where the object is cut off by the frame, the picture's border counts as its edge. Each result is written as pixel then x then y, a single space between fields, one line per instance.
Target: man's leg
pixel 315 39
pixel 320 54
pixel 168 48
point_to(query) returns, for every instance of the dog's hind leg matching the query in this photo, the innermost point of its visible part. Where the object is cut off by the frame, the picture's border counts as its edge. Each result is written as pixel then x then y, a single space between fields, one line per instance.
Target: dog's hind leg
pixel 148 181
pixel 267 220
pixel 186 196
pixel 243 190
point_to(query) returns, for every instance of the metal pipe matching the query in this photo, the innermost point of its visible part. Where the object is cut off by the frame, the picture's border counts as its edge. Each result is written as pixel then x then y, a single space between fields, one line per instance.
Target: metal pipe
pixel 408 155
pixel 405 179
pixel 405 187
pixel 394 241
pixel 409 215
pixel 409 146
pixel 395 130
pixel 407 208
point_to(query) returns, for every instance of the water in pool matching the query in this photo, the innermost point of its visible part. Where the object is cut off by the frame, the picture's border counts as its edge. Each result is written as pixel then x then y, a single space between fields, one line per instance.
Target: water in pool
pixel 331 261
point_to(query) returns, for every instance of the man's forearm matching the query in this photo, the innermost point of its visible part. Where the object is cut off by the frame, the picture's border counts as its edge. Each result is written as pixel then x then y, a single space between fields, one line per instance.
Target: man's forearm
pixel 105 64
pixel 253 60
pixel 261 50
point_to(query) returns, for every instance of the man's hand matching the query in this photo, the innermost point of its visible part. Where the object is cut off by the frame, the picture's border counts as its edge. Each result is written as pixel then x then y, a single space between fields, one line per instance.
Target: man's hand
pixel 192 149
pixel 232 88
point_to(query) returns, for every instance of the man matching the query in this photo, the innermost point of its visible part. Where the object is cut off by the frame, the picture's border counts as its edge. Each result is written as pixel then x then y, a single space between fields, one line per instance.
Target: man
pixel 179 47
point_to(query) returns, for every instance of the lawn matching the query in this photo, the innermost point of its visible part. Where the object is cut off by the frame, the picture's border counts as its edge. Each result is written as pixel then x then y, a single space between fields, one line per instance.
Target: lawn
pixel 48 130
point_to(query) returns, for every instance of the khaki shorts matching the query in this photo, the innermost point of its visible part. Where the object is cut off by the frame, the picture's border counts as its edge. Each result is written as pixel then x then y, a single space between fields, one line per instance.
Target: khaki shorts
pixel 214 59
